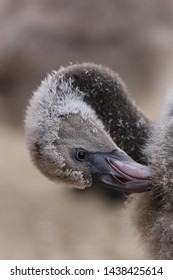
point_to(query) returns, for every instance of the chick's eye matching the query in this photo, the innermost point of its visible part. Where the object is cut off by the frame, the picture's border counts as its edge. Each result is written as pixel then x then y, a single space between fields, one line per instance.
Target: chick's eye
pixel 81 155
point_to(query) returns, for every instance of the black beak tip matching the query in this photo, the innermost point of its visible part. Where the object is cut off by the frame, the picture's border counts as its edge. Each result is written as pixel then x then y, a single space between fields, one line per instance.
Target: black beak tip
pixel 119 171
pixel 109 181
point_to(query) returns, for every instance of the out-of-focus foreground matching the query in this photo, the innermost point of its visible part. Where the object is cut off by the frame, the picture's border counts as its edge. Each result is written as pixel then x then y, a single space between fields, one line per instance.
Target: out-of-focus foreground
pixel 39 219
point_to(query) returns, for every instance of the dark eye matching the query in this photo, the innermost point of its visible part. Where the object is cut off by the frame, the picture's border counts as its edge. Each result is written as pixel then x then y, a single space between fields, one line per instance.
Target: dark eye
pixel 81 155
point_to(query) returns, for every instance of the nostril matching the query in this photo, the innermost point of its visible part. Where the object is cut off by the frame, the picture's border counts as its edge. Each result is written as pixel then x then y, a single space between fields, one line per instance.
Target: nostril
pixel 122 180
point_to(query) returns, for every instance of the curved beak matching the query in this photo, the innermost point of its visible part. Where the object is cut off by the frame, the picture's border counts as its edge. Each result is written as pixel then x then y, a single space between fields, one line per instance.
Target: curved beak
pixel 118 170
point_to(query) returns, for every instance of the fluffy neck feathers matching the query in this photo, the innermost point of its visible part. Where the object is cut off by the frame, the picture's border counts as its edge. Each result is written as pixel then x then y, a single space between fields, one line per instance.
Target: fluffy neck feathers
pixel 107 95
pixel 152 212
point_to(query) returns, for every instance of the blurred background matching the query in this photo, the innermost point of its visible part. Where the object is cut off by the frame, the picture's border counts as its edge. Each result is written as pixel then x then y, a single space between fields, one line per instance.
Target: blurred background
pixel 38 219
